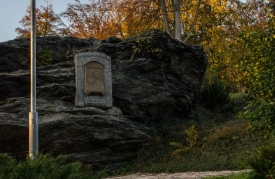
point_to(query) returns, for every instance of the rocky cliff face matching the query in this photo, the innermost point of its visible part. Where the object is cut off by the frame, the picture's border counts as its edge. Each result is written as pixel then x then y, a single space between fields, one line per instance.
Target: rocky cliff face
pixel 154 78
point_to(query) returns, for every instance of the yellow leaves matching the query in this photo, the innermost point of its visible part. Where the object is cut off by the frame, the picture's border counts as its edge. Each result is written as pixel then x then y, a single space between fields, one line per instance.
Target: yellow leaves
pixel 192 136
pixel 191 139
pixel 218 6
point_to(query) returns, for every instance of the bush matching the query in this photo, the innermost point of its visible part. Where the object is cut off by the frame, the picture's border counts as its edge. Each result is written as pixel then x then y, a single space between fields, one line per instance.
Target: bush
pixel 214 92
pixel 7 164
pixel 43 167
pixel 257 70
pixel 263 162
pixel 45 58
pixel 191 140
pixel 262 118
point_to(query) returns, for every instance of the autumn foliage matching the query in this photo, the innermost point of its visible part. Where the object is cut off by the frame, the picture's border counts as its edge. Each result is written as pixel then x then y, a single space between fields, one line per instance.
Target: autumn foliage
pixel 214 24
pixel 47 23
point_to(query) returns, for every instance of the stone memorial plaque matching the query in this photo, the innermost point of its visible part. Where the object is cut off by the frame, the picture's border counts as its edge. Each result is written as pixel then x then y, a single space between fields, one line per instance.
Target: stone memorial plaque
pixel 93 80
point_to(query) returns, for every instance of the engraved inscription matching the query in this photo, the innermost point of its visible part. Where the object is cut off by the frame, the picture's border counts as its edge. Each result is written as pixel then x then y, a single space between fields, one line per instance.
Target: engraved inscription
pixel 93 100
pixel 94 79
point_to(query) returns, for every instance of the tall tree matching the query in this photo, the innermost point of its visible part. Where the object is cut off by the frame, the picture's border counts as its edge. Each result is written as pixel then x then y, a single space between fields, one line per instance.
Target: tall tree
pixel 47 22
pixel 124 18
pixel 175 24
pixel 89 20
pixel 217 30
pixel 104 18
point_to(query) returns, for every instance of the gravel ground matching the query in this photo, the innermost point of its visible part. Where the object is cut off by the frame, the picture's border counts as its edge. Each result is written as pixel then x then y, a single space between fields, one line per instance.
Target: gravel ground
pixel 186 175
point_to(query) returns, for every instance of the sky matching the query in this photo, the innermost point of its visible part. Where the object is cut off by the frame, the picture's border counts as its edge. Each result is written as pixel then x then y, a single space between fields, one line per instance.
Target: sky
pixel 12 11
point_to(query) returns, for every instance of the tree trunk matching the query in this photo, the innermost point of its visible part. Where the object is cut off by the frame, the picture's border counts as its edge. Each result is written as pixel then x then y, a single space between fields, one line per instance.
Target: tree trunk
pixel 177 25
pixel 162 4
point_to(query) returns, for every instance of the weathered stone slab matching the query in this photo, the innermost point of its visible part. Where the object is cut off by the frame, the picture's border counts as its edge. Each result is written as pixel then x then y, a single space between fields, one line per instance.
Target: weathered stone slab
pixel 93 80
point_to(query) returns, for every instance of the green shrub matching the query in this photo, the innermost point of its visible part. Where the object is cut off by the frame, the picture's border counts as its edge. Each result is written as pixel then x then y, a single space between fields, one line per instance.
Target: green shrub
pixel 263 162
pixel 43 167
pixel 7 164
pixel 214 92
pixel 257 69
pixel 144 47
pixel 262 117
pixel 45 58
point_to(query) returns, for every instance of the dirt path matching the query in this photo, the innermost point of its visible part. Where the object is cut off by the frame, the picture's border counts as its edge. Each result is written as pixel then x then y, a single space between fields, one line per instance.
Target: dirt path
pixel 186 175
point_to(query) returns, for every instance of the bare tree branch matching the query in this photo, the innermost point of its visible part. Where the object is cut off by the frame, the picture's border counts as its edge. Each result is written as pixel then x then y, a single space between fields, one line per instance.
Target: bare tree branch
pixel 194 22
pixel 162 4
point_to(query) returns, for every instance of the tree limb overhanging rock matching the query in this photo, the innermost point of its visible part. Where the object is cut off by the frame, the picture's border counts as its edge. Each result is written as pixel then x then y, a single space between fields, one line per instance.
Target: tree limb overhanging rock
pixel 155 78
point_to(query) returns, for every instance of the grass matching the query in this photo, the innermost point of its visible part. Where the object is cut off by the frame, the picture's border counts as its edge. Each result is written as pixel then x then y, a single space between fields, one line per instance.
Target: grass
pixel 225 142
pixel 233 176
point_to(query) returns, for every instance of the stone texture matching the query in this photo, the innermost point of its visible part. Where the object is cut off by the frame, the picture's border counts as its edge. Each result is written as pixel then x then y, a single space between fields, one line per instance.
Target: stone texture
pixel 160 81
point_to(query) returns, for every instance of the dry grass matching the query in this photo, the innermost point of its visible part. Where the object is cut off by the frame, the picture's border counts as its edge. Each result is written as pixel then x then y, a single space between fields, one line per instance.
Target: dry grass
pixel 225 142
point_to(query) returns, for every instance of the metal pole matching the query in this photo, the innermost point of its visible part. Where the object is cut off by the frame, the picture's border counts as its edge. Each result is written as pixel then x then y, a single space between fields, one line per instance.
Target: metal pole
pixel 33 115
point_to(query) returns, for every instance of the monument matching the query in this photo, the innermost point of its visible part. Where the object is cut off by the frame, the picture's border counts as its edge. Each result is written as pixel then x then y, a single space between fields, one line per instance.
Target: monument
pixel 93 78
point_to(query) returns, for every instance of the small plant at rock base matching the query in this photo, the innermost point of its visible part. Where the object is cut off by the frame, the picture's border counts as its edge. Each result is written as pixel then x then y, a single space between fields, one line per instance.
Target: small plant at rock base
pixel 45 58
pixel 191 139
pixel 214 92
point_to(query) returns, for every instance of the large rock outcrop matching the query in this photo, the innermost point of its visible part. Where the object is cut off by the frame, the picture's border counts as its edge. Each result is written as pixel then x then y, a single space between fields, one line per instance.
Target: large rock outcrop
pixel 154 78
